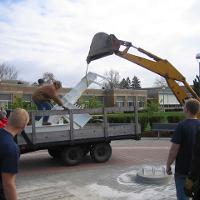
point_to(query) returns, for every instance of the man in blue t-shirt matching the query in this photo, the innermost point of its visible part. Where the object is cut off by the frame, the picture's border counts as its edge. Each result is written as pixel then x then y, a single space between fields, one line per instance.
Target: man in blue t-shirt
pixel 182 146
pixel 192 183
pixel 9 153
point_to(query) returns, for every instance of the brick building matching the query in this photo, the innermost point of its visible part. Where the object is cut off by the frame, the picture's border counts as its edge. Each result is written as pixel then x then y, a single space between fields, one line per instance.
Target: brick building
pixel 10 90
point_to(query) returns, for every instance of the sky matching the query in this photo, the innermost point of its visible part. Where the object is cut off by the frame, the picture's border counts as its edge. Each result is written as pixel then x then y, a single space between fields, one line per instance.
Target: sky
pixel 38 36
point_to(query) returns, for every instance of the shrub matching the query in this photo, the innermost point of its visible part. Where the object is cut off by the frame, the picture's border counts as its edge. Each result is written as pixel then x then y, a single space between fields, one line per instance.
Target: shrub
pixel 156 119
pixel 96 118
pixel 175 119
pixel 120 118
pixel 143 120
pixel 117 118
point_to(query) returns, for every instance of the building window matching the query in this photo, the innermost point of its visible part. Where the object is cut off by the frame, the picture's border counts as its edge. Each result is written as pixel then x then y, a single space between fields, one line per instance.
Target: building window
pixel 100 99
pixel 91 101
pixel 120 101
pixel 27 97
pixel 141 102
pixel 5 100
pixel 131 100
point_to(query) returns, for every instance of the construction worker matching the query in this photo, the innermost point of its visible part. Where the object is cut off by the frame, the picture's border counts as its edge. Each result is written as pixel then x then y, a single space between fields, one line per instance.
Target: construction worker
pixel 43 96
pixel 41 82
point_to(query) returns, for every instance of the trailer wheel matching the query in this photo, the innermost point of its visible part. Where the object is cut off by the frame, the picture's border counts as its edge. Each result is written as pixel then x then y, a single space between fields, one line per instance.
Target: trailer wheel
pixel 101 152
pixel 55 153
pixel 72 155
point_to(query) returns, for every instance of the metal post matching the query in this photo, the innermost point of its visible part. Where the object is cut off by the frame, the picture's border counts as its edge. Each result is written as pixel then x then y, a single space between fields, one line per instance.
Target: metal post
pixel 163 101
pixel 198 60
pixel 136 115
pixel 163 90
pixel 71 123
pixel 33 138
pixel 105 121
pixel 199 69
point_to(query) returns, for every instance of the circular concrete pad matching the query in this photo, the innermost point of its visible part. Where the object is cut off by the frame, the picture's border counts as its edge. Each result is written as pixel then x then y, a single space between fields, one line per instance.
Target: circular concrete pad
pixel 153 176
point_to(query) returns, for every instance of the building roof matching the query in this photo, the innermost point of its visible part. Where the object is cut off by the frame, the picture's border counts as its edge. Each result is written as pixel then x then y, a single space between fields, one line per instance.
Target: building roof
pixel 15 82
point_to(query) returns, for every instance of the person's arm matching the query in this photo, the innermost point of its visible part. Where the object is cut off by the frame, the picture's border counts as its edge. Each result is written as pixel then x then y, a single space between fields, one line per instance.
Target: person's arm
pixel 54 96
pixel 9 186
pixel 172 156
pixel 57 100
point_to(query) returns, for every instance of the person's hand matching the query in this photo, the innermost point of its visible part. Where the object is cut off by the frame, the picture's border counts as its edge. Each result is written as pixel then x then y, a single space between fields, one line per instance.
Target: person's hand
pixel 65 108
pixel 169 170
pixel 188 187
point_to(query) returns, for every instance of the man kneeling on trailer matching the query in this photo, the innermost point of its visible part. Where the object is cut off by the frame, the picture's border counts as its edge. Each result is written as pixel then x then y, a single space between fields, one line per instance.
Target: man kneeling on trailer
pixel 42 97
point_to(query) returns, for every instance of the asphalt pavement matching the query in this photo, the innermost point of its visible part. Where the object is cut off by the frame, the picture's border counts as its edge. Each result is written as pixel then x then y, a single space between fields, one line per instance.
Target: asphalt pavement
pixel 42 177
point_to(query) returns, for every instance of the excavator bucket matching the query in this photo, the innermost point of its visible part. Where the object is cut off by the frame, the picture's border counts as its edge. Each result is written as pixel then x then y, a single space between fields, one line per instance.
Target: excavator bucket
pixel 102 45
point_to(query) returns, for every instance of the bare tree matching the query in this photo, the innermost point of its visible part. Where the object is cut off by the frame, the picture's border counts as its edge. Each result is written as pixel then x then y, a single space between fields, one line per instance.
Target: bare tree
pixel 48 77
pixel 7 72
pixel 160 82
pixel 112 80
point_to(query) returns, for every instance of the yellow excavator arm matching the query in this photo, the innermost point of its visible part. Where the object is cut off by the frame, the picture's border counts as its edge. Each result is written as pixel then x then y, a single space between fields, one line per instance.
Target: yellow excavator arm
pixel 103 45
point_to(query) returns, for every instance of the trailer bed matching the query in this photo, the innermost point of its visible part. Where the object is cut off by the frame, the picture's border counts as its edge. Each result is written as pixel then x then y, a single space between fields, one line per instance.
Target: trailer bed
pixel 56 133
pixel 60 139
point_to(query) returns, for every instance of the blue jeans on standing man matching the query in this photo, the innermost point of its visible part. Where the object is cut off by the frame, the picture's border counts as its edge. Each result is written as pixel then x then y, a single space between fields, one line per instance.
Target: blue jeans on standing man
pixel 43 105
pixel 180 181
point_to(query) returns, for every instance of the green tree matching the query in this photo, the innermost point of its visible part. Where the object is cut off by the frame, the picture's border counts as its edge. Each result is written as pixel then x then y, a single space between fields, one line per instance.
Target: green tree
pixel 91 102
pixel 94 103
pixel 128 82
pixel 196 85
pixel 123 84
pixel 135 84
pixel 152 106
pixel 21 103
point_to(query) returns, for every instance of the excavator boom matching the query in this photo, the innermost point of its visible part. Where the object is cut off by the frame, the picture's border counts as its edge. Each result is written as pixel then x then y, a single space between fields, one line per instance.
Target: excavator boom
pixel 104 45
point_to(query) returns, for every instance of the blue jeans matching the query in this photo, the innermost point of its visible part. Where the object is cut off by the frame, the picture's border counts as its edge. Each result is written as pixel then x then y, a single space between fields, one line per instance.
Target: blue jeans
pixel 43 105
pixel 180 181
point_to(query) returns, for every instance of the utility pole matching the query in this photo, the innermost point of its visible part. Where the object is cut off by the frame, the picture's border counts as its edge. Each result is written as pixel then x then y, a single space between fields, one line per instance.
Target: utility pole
pixel 163 90
pixel 198 60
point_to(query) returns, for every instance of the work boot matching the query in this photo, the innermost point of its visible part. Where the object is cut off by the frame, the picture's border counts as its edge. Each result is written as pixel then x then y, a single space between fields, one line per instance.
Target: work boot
pixel 46 123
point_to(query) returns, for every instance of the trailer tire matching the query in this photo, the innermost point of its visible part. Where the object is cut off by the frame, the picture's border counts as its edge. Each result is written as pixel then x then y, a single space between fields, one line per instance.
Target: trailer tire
pixel 72 155
pixel 101 152
pixel 55 153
